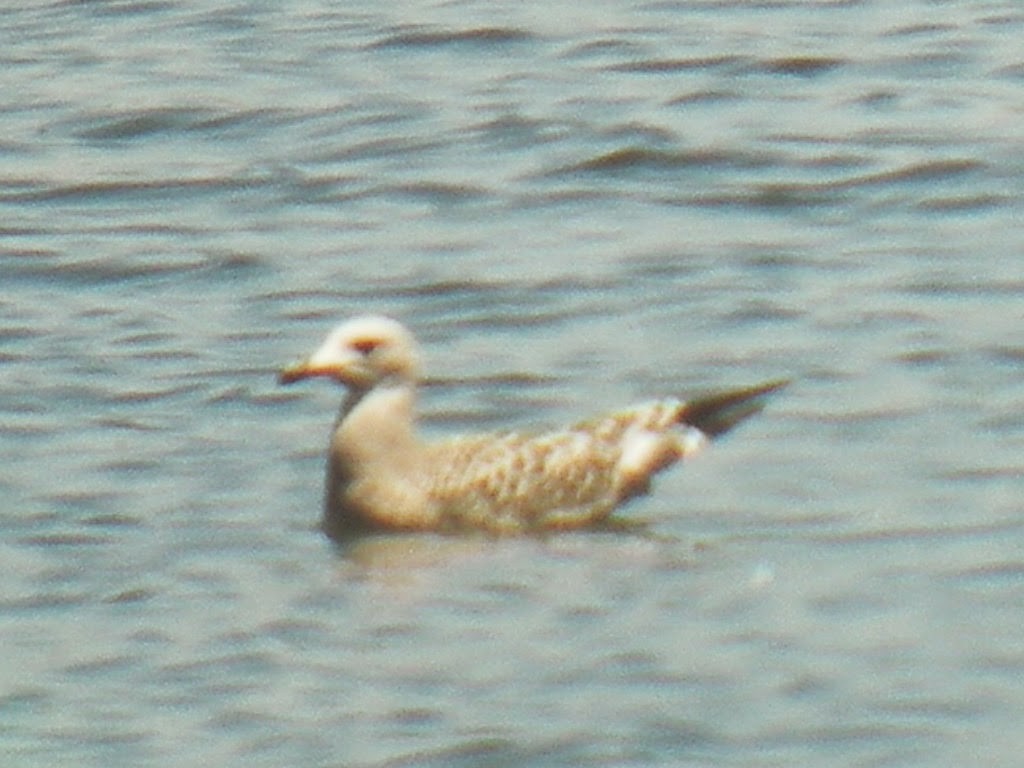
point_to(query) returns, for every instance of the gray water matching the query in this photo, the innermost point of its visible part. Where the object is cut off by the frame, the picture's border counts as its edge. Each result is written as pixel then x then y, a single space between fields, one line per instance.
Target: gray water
pixel 575 207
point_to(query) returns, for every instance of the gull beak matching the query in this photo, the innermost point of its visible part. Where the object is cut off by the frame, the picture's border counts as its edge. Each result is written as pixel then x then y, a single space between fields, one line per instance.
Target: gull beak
pixel 297 372
pixel 343 370
pixel 310 368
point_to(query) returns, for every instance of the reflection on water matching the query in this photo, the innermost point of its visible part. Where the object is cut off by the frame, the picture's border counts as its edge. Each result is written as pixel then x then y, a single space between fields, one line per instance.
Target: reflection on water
pixel 404 559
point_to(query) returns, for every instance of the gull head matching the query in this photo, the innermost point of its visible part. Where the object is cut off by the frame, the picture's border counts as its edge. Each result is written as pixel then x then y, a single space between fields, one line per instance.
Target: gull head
pixel 361 353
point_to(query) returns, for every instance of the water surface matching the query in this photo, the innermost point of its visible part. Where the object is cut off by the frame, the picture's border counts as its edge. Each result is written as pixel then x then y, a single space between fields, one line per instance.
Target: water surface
pixel 573 210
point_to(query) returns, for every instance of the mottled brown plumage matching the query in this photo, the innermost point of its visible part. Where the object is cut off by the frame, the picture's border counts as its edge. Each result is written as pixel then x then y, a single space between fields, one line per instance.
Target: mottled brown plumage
pixel 382 476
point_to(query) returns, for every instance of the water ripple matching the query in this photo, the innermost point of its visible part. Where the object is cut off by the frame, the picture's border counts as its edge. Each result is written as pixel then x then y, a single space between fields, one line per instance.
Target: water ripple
pixel 486 37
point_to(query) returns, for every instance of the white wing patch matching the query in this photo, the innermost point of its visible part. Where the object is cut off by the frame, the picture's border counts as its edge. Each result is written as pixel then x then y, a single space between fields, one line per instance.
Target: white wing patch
pixel 692 441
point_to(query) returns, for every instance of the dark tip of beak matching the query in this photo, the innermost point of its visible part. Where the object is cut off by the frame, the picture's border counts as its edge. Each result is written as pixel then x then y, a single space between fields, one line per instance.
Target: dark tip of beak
pixel 293 373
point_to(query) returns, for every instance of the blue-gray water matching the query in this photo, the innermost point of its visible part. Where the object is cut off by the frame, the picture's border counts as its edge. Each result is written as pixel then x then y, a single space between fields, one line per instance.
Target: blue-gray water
pixel 575 207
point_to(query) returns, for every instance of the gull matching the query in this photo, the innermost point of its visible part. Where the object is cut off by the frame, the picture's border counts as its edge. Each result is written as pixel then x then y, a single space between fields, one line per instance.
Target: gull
pixel 382 476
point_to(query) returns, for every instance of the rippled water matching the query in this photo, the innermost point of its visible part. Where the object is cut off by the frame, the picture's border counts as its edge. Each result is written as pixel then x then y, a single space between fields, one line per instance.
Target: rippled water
pixel 575 208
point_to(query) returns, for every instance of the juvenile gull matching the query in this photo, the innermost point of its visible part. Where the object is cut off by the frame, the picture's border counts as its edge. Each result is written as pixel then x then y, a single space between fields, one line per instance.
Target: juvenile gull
pixel 383 476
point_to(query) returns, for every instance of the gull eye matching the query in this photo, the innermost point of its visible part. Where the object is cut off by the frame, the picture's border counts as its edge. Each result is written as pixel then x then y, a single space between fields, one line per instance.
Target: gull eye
pixel 365 346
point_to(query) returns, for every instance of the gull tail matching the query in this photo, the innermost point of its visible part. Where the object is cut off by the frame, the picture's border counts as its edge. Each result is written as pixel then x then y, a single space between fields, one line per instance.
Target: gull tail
pixel 717 413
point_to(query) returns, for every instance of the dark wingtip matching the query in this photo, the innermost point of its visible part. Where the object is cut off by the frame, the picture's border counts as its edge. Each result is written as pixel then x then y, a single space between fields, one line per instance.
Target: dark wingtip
pixel 716 413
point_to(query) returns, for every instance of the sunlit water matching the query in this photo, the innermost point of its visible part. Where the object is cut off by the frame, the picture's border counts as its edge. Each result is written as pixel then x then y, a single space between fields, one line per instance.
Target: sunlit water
pixel 574 208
